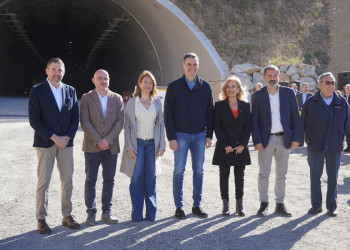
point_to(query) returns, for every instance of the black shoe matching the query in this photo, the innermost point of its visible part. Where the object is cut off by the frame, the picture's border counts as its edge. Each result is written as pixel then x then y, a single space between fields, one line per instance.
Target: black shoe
pixel 332 213
pixel 179 213
pixel 282 210
pixel 347 150
pixel 301 145
pixel 199 212
pixel 225 207
pixel 239 208
pixel 262 212
pixel 314 210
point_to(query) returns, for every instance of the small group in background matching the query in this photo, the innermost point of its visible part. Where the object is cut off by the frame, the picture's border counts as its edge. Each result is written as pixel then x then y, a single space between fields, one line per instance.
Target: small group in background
pixel 347 98
pixel 301 98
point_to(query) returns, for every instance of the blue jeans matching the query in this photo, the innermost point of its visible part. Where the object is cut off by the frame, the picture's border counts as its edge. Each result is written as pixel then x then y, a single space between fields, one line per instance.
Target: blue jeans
pixel 196 144
pixel 143 182
pixel 316 162
pixel 92 164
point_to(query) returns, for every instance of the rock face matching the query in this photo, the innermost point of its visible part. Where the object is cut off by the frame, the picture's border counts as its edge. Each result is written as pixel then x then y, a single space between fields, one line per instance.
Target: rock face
pixel 246 80
pixel 284 68
pixel 295 77
pixel 251 74
pixel 312 83
pixel 307 70
pixel 257 77
pixel 284 77
pixel 245 68
pixel 292 70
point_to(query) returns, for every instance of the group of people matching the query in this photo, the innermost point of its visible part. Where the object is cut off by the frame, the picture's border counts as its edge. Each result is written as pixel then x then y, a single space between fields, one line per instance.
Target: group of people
pixel 188 122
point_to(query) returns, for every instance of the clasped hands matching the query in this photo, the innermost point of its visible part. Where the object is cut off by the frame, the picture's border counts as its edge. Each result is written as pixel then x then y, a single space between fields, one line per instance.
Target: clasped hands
pixel 239 149
pixel 60 141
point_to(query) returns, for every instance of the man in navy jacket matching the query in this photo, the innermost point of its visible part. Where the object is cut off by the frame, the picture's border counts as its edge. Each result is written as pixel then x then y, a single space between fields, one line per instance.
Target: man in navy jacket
pixel 275 130
pixel 188 115
pixel 54 116
pixel 325 120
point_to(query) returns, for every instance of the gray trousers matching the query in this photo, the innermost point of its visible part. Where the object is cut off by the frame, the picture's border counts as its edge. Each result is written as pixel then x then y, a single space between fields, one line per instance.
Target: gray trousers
pixel 275 149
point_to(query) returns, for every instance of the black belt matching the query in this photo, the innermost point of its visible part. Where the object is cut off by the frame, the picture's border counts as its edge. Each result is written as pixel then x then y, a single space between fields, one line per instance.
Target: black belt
pixel 277 134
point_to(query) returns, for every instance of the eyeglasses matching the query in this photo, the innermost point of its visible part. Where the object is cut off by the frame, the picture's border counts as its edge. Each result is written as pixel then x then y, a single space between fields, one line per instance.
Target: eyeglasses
pixel 329 82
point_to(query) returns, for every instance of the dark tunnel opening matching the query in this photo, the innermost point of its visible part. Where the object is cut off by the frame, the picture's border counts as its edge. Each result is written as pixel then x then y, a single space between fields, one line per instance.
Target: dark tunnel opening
pixel 86 34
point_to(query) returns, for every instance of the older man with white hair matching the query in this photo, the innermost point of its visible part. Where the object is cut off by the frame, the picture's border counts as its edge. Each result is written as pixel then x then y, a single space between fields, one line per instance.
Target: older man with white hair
pixel 325 120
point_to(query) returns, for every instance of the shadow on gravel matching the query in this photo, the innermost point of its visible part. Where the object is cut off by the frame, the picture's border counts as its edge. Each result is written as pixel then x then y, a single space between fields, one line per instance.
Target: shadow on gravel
pixel 223 232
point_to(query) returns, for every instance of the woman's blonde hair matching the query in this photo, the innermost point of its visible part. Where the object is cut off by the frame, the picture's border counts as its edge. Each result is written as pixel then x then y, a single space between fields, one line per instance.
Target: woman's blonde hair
pixel 241 94
pixel 154 91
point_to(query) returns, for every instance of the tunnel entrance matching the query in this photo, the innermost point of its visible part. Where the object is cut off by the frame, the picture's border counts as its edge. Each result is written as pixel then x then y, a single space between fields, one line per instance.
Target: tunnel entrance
pixel 123 37
pixel 85 34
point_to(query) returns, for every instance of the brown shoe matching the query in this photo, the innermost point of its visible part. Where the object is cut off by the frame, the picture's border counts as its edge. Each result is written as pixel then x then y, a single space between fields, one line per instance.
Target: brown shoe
pixel 43 228
pixel 68 221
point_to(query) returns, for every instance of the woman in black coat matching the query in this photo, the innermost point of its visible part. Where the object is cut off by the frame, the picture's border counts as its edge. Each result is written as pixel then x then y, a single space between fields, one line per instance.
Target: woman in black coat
pixel 232 129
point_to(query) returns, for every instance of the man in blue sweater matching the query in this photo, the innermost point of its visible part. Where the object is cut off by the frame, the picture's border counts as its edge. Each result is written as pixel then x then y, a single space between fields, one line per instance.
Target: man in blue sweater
pixel 325 120
pixel 188 114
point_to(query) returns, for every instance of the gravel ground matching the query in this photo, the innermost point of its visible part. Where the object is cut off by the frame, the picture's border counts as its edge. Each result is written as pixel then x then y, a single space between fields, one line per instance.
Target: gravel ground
pixel 17 205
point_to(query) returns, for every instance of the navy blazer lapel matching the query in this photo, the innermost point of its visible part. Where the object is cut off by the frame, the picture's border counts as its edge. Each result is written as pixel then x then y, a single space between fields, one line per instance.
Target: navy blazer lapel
pixel 64 96
pixel 50 94
pixel 266 102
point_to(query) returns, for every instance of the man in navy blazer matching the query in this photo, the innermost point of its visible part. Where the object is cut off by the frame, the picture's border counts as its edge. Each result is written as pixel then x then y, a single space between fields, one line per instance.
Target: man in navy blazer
pixel 54 116
pixel 275 130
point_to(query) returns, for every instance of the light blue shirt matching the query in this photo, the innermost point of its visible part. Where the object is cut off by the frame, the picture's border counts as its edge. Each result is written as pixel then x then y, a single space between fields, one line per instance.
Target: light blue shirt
pixel 329 100
pixel 304 97
pixel 191 84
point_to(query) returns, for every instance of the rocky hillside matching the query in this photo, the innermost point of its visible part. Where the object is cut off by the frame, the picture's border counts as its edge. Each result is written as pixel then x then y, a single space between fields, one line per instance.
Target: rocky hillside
pixel 263 32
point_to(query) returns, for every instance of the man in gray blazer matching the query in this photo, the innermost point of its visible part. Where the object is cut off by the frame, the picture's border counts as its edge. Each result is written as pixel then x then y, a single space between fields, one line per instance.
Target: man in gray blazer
pixel 101 119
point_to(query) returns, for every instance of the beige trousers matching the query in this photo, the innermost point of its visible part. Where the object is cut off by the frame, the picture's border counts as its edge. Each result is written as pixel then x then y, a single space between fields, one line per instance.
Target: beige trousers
pixel 275 149
pixel 65 165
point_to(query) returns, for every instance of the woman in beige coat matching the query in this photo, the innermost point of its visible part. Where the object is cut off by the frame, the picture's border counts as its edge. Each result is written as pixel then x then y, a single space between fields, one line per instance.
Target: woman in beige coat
pixel 144 141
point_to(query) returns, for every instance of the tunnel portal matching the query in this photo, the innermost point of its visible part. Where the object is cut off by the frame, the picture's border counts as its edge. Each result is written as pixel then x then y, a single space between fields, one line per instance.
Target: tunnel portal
pixel 123 37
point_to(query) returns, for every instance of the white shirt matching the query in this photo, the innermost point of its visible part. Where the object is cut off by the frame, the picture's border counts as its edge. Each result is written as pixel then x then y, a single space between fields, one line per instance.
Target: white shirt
pixel 276 125
pixel 145 120
pixel 57 93
pixel 103 101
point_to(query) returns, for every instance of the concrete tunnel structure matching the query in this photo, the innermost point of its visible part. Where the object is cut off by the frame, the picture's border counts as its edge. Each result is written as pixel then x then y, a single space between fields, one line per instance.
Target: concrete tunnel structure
pixel 122 36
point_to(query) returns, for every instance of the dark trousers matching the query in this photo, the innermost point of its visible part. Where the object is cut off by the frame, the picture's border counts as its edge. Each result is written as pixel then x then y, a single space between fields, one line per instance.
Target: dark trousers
pixel 348 139
pixel 239 181
pixel 92 164
pixel 316 162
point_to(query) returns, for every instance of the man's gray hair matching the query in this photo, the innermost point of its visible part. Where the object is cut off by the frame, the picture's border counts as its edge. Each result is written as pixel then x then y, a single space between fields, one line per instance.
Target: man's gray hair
pixel 271 67
pixel 305 83
pixel 320 78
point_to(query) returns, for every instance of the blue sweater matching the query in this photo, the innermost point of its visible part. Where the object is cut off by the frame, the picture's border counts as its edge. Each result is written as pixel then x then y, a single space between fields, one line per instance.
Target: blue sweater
pixel 188 111
pixel 325 133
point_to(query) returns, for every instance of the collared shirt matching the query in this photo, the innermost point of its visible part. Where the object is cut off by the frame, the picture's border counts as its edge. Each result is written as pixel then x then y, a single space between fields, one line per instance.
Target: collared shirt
pixel 103 101
pixel 191 84
pixel 329 100
pixel 304 97
pixel 276 125
pixel 145 120
pixel 57 93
